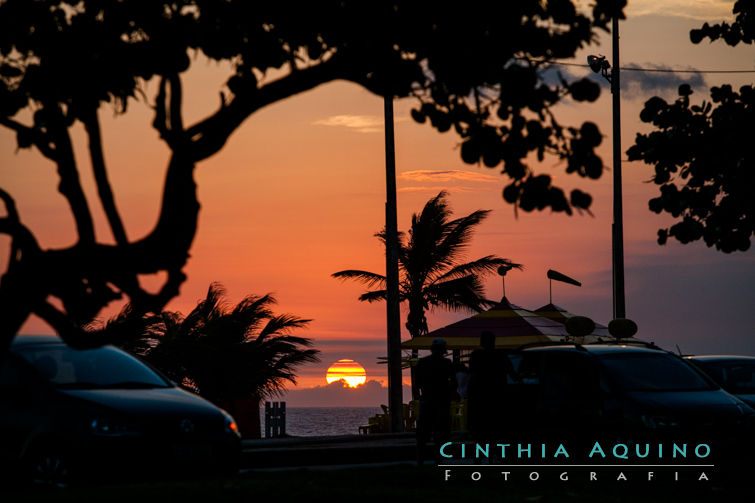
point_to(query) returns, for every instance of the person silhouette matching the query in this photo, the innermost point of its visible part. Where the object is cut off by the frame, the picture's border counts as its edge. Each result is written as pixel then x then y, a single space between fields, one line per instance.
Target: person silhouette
pixel 488 371
pixel 437 384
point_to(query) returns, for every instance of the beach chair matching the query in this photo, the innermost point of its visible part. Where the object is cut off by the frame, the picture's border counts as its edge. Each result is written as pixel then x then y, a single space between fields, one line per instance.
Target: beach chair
pixel 411 413
pixel 379 423
pixel 459 416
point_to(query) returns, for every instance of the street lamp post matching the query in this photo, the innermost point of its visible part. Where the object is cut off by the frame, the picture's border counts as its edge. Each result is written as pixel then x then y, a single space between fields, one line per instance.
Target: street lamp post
pixel 393 316
pixel 619 307
pixel 600 65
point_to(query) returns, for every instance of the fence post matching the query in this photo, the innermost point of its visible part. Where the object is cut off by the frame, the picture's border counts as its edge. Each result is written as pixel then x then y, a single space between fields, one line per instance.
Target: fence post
pixel 283 419
pixel 276 420
pixel 268 425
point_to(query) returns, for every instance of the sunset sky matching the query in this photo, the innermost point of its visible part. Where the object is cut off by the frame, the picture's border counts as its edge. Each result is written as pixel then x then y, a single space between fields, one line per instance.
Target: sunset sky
pixel 298 193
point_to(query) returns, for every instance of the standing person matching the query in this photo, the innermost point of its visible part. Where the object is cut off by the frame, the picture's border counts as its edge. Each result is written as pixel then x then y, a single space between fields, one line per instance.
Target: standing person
pixel 437 384
pixel 488 369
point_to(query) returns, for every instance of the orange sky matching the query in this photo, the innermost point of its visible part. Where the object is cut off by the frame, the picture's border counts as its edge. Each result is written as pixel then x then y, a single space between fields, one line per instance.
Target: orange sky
pixel 298 193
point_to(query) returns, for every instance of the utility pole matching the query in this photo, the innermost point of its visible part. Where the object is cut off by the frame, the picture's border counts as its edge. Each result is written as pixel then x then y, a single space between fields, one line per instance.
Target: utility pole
pixel 393 317
pixel 619 308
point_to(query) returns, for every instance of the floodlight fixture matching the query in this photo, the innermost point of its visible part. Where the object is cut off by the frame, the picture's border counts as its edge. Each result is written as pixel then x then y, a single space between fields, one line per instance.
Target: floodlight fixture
pixel 598 64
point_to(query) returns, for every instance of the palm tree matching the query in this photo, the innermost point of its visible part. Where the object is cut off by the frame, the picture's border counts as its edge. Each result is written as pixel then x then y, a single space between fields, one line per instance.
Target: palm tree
pixel 229 352
pixel 229 355
pixel 430 273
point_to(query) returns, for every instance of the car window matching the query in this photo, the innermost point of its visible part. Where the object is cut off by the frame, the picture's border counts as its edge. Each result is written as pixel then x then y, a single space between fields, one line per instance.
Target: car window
pixel 653 372
pixel 528 368
pixel 735 376
pixel 105 367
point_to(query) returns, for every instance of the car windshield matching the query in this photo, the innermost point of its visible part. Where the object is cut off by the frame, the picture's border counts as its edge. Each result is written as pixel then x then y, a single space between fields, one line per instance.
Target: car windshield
pixel 101 368
pixel 736 376
pixel 653 372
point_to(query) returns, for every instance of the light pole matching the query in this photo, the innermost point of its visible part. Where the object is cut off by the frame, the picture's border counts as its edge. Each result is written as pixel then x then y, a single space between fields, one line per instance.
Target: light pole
pixel 600 65
pixel 393 316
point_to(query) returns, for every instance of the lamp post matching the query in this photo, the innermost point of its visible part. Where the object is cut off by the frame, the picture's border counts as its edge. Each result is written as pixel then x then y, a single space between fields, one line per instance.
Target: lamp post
pixel 393 316
pixel 598 64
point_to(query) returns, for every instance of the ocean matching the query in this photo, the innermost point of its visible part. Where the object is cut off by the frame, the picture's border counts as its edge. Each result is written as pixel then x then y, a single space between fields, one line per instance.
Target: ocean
pixel 317 421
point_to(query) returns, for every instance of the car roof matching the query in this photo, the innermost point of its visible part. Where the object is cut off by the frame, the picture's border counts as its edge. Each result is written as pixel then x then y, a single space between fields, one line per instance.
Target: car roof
pixel 32 340
pixel 721 358
pixel 598 349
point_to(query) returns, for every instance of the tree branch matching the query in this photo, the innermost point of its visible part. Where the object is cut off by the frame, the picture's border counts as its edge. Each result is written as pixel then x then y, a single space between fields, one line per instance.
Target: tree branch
pixel 210 134
pixel 22 237
pixel 176 120
pixel 10 205
pixel 71 333
pixel 161 121
pixel 92 125
pixel 70 185
pixel 168 119
pixel 19 284
pixel 34 136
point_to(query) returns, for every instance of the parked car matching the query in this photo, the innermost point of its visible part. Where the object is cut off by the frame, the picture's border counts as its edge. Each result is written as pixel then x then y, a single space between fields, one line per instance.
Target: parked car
pixel 67 412
pixel 735 374
pixel 623 390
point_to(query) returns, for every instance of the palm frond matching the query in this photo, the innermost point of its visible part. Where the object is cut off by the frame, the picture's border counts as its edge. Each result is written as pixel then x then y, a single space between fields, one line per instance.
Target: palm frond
pixel 282 324
pixel 481 266
pixel 373 296
pixel 459 294
pixel 368 278
pixel 456 238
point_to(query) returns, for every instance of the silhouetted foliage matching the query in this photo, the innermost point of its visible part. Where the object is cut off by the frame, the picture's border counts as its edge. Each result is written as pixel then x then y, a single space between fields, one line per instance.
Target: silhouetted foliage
pixel 704 155
pixel 741 30
pixel 473 66
pixel 226 352
pixel 429 269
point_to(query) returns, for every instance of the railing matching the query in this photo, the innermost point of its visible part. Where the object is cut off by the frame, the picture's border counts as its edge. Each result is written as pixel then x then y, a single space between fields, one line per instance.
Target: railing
pixel 275 419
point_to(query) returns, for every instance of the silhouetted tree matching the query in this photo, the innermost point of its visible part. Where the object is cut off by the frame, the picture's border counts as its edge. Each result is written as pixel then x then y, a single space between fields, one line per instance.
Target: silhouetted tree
pixel 430 272
pixel 473 66
pixel 704 154
pixel 226 352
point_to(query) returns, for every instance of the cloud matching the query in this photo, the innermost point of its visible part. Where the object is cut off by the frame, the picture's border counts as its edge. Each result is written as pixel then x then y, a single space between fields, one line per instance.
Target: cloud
pixel 338 394
pixel 704 10
pixel 443 177
pixel 638 84
pixel 423 175
pixel 464 190
pixel 635 84
pixel 359 123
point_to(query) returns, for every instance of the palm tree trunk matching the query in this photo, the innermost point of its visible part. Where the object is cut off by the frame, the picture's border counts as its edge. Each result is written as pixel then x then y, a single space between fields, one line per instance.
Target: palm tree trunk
pixel 415 384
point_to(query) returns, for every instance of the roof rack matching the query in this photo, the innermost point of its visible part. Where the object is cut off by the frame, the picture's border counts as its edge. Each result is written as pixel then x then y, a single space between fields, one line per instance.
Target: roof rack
pixel 580 347
pixel 649 345
pixel 547 343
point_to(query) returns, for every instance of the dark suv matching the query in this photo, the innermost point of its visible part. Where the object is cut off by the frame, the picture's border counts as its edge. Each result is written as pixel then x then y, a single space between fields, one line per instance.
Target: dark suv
pixel 622 391
pixel 65 411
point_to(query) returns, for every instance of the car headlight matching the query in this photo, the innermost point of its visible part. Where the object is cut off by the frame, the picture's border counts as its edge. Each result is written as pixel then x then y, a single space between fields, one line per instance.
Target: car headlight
pixel 659 422
pixel 106 427
pixel 230 424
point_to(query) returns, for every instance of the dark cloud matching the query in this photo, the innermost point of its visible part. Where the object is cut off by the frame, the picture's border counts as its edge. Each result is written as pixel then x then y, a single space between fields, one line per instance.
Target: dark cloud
pixel 639 85
pixel 338 394
pixel 644 84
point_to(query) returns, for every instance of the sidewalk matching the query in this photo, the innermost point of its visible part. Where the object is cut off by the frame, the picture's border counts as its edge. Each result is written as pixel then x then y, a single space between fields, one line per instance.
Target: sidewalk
pixel 333 450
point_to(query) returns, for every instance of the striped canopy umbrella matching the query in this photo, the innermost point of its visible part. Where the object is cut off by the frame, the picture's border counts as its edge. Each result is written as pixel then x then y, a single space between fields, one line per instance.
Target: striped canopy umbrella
pixel 560 315
pixel 511 324
pixel 599 334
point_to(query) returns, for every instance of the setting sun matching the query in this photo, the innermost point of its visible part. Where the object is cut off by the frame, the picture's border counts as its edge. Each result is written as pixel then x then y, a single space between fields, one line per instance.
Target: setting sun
pixel 348 370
